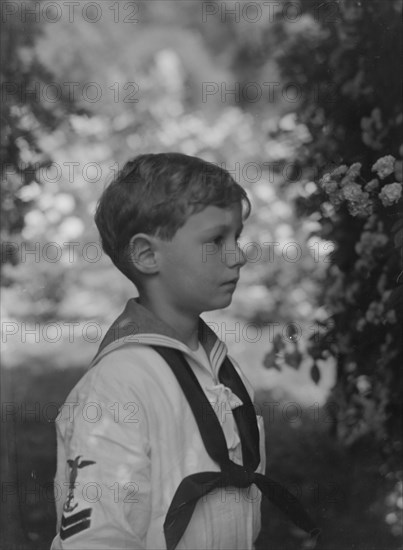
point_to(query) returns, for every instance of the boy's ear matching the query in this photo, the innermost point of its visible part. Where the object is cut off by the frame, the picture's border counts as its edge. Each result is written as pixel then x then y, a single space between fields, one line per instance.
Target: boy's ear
pixel 142 253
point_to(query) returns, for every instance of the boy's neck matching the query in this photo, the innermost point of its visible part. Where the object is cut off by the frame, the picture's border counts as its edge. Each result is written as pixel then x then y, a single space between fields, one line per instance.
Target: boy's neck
pixel 186 326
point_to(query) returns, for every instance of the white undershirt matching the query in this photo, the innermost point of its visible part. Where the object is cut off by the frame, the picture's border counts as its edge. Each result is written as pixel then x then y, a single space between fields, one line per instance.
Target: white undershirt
pixel 221 398
pixel 201 355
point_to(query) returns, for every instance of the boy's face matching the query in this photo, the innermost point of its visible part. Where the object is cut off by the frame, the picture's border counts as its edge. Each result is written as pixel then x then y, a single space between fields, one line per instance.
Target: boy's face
pixel 199 267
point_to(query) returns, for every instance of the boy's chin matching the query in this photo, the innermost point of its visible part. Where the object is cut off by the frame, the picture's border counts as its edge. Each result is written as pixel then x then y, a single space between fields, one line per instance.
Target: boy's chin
pixel 220 302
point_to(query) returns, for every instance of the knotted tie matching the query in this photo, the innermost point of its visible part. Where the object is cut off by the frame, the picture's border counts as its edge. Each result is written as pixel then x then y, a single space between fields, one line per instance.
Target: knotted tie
pixel 195 486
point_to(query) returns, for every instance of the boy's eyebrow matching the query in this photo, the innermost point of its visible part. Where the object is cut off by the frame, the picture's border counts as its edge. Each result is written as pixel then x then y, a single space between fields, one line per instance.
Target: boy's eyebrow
pixel 222 227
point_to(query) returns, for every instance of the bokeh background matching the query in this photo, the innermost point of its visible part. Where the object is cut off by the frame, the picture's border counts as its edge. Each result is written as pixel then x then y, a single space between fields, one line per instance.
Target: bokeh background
pixel 301 102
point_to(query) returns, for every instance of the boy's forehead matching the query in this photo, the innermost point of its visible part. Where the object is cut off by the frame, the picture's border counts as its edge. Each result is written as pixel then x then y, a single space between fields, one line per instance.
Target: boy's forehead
pixel 213 216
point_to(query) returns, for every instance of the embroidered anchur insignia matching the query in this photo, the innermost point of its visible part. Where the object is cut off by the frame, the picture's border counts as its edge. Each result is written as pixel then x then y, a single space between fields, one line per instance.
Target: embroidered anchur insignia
pixel 75 465
pixel 75 524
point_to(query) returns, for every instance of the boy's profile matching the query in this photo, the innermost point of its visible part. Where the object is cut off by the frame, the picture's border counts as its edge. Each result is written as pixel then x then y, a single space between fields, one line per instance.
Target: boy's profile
pixel 159 445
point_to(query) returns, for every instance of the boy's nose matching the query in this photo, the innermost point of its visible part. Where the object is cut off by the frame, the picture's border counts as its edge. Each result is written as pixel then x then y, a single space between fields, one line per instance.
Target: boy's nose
pixel 243 257
pixel 235 257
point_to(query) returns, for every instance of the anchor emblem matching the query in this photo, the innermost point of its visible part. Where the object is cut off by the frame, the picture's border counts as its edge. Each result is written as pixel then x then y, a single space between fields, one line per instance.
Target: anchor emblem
pixel 75 465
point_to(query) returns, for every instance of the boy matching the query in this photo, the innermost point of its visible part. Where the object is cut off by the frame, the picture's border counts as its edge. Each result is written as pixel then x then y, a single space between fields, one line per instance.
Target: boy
pixel 158 444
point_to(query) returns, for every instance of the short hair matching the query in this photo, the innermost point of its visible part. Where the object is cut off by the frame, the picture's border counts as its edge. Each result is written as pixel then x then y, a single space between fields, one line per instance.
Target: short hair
pixel 155 194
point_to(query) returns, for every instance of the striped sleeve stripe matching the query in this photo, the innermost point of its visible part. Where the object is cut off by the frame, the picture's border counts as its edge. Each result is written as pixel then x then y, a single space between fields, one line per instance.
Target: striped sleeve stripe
pixel 75 524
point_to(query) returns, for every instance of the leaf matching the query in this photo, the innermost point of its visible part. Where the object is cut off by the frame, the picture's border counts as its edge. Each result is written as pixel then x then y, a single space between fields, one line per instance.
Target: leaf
pixel 292 332
pixel 397 225
pixel 395 301
pixel 293 359
pixel 270 361
pixel 315 373
pixel 399 170
pixel 278 343
pixel 398 238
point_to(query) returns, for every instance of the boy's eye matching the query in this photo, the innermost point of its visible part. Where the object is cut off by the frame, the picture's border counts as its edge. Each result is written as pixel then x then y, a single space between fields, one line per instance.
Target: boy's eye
pixel 219 240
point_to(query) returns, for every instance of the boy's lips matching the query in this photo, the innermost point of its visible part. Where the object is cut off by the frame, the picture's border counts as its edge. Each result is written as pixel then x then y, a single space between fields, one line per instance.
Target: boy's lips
pixel 232 281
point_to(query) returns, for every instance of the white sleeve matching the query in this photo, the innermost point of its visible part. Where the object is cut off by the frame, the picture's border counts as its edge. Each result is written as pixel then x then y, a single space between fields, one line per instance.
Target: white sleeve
pixel 102 484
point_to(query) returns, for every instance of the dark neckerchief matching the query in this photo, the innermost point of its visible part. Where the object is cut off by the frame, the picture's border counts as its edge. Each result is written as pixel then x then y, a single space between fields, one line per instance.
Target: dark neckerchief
pixel 195 486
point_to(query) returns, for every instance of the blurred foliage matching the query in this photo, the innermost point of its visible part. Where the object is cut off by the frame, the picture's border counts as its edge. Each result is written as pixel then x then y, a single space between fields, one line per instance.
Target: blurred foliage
pixel 26 116
pixel 166 111
pixel 351 105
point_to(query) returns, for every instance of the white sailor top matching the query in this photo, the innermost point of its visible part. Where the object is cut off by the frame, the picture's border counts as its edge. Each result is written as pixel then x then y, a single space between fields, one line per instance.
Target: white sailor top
pixel 127 437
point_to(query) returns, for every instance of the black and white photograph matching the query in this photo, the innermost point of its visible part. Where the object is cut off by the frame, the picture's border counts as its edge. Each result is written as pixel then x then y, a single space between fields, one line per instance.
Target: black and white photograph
pixel 201 275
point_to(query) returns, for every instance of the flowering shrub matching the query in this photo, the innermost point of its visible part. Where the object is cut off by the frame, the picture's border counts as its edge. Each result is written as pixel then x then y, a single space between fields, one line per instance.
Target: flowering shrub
pixel 367 301
pixel 366 307
pixel 341 185
pixel 351 105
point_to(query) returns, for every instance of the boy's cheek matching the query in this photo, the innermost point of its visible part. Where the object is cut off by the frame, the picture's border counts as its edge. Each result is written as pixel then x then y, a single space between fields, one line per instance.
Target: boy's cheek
pixel 209 251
